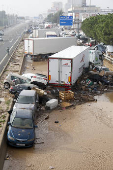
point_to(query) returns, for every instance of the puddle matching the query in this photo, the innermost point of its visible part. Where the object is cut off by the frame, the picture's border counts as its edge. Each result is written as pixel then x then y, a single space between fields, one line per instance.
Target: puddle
pixel 36 66
pixel 106 97
pixel 28 58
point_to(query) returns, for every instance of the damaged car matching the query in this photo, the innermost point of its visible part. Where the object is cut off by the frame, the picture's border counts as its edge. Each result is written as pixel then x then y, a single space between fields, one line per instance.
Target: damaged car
pixel 95 77
pixel 27 99
pixel 21 128
pixel 15 90
pixel 13 79
pixel 37 79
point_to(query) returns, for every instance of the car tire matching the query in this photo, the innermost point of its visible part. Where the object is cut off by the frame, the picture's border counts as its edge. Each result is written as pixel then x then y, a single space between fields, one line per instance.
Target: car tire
pixel 6 85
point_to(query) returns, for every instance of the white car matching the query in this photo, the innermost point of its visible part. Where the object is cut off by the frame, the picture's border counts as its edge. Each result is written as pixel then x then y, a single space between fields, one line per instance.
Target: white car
pixel 37 79
pixel 1 39
pixel 12 79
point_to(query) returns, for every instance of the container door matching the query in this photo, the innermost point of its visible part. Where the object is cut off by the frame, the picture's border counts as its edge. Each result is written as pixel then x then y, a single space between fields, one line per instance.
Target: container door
pixel 65 72
pixel 53 71
pixel 30 47
pixel 26 46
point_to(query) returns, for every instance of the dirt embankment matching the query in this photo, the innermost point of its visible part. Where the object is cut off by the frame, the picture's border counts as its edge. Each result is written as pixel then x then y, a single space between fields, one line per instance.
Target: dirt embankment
pixel 108 65
pixel 5 99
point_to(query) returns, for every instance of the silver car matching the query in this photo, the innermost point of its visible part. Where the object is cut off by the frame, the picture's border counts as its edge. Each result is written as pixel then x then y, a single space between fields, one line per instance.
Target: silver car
pixel 27 99
pixel 13 79
pixel 1 38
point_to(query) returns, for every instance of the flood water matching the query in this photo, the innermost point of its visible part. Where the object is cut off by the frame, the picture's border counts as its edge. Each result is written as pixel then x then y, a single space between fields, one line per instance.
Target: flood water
pixel 82 140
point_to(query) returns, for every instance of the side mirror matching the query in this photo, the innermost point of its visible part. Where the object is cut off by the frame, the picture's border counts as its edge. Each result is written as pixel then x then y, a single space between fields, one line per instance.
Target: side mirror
pixel 35 126
pixel 9 123
pixel 14 100
pixel 10 111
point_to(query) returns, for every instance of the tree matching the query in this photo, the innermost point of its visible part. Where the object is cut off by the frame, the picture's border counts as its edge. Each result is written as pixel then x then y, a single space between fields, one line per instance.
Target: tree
pixel 100 28
pixel 54 18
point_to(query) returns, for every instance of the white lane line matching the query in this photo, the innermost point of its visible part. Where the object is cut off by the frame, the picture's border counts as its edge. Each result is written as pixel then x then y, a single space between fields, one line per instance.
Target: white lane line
pixel 11 40
pixel 9 50
pixel 3 59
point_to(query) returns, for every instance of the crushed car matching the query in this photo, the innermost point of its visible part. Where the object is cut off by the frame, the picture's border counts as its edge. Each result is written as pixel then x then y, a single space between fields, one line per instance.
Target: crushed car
pixel 15 90
pixel 13 79
pixel 37 79
pixel 95 77
pixel 27 99
pixel 100 68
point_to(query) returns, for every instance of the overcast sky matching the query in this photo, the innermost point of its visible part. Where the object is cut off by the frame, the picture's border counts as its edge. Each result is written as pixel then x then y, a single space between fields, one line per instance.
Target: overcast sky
pixel 35 7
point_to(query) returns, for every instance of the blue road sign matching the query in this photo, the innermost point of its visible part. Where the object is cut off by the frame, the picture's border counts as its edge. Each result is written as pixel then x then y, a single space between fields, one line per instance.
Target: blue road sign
pixel 66 20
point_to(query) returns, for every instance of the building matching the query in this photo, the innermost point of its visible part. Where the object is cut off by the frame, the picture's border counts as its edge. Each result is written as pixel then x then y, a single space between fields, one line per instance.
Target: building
pixel 74 3
pixel 56 6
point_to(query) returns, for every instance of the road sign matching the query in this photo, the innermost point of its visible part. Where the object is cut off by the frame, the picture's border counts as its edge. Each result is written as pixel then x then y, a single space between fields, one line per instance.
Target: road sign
pixel 66 20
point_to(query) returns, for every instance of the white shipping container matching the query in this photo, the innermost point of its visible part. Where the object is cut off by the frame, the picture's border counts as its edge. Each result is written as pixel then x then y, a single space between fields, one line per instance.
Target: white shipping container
pixel 35 33
pixel 42 32
pixel 36 46
pixel 65 67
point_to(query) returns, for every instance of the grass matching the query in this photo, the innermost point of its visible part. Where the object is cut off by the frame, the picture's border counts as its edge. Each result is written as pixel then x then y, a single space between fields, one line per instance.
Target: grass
pixel 3 116
pixel 8 103
pixel 2 121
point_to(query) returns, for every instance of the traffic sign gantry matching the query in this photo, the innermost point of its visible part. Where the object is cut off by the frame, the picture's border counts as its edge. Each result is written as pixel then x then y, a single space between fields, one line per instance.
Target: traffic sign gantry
pixel 66 20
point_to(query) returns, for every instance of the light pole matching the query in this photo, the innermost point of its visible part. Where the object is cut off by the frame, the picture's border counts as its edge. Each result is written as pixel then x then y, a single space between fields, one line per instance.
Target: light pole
pixel 72 14
pixel 90 9
pixel 2 16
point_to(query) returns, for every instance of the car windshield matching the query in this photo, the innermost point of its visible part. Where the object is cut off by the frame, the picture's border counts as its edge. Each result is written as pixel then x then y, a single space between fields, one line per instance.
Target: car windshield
pixel 27 80
pixel 26 100
pixel 22 123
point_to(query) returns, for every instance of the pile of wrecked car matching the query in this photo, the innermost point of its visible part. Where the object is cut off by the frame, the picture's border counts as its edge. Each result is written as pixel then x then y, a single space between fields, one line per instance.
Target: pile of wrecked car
pixel 74 83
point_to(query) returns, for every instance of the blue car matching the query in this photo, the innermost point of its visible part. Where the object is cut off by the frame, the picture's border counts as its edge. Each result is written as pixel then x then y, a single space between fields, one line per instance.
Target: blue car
pixel 21 132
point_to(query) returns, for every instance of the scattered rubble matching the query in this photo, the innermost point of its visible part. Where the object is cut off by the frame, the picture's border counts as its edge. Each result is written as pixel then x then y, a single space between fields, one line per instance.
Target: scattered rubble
pixel 84 90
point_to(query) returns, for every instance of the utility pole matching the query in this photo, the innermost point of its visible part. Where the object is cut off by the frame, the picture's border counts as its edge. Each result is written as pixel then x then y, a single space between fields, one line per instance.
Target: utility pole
pixel 72 14
pixel 90 9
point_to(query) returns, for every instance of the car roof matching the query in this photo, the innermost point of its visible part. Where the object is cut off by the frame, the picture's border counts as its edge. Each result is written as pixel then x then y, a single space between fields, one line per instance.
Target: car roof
pixel 17 75
pixel 25 85
pixel 28 74
pixel 24 113
pixel 27 93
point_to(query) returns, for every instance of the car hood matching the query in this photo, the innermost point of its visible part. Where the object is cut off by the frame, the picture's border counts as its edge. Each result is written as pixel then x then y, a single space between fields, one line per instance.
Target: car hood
pixel 18 133
pixel 24 106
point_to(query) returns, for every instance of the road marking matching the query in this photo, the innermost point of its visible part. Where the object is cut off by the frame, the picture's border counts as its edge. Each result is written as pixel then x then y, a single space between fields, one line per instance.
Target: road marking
pixel 3 59
pixel 11 40
pixel 9 50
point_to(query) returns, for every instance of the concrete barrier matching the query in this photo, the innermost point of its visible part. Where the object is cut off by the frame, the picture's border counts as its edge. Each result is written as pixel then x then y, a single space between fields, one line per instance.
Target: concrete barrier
pixel 3 143
pixel 3 137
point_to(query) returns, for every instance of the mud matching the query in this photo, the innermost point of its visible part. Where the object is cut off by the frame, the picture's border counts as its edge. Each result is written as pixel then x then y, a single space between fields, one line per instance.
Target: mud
pixel 108 65
pixel 6 99
pixel 81 140
pixel 35 67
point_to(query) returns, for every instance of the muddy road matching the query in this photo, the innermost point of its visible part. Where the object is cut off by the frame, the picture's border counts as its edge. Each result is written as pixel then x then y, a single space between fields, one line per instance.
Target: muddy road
pixel 81 140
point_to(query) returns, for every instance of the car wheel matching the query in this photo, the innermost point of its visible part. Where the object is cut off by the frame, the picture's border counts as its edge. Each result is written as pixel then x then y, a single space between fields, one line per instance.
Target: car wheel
pixel 6 85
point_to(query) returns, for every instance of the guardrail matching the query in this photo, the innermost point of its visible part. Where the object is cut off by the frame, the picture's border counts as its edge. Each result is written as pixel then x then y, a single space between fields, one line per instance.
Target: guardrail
pixel 109 59
pixel 12 51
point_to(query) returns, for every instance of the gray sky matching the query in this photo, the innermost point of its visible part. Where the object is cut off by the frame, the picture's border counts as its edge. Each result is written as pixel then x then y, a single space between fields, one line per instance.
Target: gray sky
pixel 35 7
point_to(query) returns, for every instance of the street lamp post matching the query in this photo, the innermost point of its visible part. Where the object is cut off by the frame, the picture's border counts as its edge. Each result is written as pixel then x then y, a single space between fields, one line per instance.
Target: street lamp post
pixel 90 9
pixel 72 14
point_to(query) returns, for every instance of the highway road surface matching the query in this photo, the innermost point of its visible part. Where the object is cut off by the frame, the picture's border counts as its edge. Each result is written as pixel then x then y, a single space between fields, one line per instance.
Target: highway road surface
pixel 11 37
